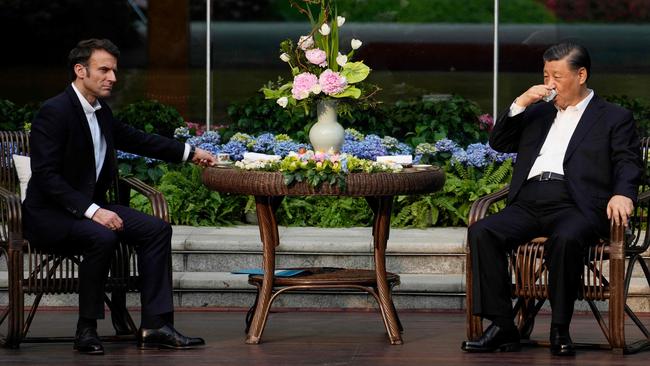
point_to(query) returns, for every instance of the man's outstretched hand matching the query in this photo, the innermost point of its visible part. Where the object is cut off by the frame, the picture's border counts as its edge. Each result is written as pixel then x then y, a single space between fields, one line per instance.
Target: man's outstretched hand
pixel 204 158
pixel 619 208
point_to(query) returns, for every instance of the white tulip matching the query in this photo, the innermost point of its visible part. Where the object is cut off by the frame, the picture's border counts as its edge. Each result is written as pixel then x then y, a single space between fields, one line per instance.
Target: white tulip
pixel 355 43
pixel 340 21
pixel 282 102
pixel 324 29
pixel 341 59
pixel 285 57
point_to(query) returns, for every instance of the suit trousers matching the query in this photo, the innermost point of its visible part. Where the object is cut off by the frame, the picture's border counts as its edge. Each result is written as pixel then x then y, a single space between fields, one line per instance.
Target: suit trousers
pixel 540 209
pixel 151 238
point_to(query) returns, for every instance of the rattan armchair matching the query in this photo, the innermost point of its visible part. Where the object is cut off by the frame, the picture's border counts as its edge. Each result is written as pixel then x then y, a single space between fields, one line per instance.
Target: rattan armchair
pixel 608 267
pixel 39 271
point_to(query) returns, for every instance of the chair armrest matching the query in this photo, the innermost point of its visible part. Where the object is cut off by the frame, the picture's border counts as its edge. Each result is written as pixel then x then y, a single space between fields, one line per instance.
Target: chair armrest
pixel 480 206
pixel 11 214
pixel 159 205
pixel 644 197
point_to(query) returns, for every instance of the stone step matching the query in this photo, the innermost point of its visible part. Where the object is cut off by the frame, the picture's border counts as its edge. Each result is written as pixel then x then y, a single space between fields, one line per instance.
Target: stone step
pixel 230 248
pixel 416 291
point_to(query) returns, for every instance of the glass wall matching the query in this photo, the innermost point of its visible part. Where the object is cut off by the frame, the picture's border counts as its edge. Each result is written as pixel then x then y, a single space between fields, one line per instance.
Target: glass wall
pixel 416 48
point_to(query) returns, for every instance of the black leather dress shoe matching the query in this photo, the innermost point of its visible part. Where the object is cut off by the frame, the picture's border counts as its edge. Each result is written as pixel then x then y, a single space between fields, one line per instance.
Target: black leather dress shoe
pixel 87 341
pixel 493 339
pixel 166 337
pixel 561 343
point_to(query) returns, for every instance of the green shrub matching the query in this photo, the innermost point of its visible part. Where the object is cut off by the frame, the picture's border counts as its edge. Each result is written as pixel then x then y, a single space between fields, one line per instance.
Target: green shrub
pixel 13 117
pixel 450 206
pixel 151 116
pixel 640 109
pixel 191 203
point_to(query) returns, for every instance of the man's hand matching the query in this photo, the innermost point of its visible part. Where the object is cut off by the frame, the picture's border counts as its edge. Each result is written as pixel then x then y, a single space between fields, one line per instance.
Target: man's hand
pixel 534 94
pixel 109 219
pixel 620 208
pixel 204 158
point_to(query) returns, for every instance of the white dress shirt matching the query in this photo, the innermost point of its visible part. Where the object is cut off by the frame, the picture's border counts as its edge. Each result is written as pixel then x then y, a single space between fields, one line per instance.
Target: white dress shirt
pixel 551 155
pixel 99 142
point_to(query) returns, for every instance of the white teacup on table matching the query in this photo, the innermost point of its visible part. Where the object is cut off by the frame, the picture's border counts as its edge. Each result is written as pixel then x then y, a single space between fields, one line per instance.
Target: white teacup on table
pixel 223 158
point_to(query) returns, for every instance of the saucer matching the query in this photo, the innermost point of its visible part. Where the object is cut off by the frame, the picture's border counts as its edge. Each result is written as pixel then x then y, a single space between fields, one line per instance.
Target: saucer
pixel 422 166
pixel 224 164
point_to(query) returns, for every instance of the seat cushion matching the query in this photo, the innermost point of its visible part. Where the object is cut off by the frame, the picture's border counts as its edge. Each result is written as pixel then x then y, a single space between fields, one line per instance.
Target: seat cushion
pixel 24 172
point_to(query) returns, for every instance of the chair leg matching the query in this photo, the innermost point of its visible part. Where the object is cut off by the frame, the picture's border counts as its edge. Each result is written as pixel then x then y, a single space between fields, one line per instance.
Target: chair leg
pixel 122 321
pixel 15 319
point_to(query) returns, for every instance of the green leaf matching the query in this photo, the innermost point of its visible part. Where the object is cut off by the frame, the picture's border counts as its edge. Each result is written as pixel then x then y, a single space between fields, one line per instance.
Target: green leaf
pixel 350 91
pixel 355 72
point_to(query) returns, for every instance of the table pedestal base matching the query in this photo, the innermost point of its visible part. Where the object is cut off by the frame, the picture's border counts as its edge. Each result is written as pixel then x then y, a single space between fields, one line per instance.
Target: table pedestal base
pixel 327 278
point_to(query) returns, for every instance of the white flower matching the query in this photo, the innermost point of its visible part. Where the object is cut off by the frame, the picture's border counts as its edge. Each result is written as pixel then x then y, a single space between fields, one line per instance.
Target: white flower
pixel 341 59
pixel 282 102
pixel 324 29
pixel 305 42
pixel 340 21
pixel 285 57
pixel 355 43
pixel 316 89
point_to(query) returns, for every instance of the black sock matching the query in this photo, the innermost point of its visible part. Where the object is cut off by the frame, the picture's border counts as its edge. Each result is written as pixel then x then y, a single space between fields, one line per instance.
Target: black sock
pixel 504 322
pixel 562 329
pixel 153 321
pixel 84 323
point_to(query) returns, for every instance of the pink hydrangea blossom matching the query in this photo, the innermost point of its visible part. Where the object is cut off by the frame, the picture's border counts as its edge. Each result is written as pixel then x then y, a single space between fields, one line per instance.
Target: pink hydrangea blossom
pixel 302 84
pixel 317 57
pixel 332 82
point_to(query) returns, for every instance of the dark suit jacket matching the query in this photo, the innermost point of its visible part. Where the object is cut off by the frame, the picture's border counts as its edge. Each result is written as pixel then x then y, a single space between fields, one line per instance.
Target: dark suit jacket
pixel 63 183
pixel 603 157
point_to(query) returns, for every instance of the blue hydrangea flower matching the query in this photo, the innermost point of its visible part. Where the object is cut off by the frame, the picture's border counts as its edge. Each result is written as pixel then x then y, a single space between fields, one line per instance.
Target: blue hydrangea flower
pixel 283 148
pixel 122 155
pixel 236 150
pixel 403 149
pixel 477 155
pixel 264 143
pixel 211 137
pixel 445 145
pixel 209 147
pixel 244 138
pixel 353 135
pixel 499 157
pixel 459 156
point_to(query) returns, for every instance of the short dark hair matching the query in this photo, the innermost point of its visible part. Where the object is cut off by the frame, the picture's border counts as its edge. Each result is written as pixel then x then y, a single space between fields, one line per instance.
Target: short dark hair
pixel 84 49
pixel 577 55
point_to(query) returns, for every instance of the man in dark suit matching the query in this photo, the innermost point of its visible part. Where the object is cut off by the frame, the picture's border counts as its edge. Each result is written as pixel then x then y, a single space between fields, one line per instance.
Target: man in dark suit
pixel 73 140
pixel 578 164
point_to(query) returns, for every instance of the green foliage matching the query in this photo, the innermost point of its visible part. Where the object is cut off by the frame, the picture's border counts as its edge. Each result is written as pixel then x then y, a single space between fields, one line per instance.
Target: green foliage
pixel 430 11
pixel 151 116
pixel 13 117
pixel 421 121
pixel 324 212
pixel 191 203
pixel 258 115
pixel 149 173
pixel 640 109
pixel 450 206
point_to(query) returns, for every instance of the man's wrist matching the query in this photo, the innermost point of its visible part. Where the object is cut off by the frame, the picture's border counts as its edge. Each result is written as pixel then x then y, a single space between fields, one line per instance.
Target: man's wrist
pixel 190 156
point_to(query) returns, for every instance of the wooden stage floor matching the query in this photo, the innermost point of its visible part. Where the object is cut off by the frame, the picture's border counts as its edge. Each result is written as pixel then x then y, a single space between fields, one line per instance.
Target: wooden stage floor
pixel 310 338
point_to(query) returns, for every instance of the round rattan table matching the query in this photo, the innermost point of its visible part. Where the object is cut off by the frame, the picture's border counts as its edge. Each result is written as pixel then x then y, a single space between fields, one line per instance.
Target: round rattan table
pixel 269 190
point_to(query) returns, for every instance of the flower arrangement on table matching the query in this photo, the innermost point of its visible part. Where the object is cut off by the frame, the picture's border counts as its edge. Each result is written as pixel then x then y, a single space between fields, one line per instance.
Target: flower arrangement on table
pixel 319 69
pixel 322 75
pixel 317 168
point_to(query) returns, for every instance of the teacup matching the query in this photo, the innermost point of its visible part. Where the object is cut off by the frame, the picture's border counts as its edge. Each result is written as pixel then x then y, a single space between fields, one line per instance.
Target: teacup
pixel 223 157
